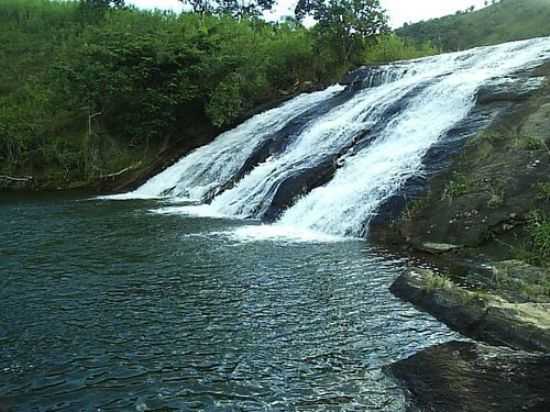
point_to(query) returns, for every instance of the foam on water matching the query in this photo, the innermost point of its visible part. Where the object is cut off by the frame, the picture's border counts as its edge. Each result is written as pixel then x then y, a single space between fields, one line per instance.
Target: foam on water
pixel 284 234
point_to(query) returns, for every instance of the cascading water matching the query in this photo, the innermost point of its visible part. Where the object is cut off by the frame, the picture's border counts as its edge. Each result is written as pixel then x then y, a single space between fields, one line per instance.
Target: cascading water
pixel 333 174
pixel 212 166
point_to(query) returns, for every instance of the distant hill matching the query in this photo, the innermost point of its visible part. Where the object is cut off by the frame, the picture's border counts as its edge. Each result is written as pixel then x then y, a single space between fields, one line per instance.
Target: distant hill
pixel 503 21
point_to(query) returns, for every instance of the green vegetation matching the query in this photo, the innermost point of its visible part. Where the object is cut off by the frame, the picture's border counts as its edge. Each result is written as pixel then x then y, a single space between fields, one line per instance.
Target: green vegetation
pixel 457 186
pixel 543 191
pixel 437 281
pixel 504 20
pixel 538 290
pixel 539 230
pixel 532 143
pixel 535 248
pixel 390 47
pixel 91 87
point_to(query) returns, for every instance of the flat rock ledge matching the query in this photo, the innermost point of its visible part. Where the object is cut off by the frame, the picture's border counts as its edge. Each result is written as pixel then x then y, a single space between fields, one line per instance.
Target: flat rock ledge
pixel 470 377
pixel 512 376
pixel 437 248
pixel 478 315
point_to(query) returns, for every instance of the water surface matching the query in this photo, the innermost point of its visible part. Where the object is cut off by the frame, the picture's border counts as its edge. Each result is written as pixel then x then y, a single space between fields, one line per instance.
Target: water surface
pixel 106 306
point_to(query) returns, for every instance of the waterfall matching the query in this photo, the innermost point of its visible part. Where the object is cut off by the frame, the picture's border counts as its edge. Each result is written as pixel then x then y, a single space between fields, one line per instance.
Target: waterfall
pixel 213 166
pixel 332 173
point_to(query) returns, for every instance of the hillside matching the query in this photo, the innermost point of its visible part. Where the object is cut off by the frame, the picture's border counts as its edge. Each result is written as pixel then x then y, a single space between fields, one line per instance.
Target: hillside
pixel 86 93
pixel 91 90
pixel 504 21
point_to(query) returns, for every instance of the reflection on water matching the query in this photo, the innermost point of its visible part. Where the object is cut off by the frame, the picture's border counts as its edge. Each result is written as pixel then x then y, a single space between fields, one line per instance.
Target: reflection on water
pixel 106 306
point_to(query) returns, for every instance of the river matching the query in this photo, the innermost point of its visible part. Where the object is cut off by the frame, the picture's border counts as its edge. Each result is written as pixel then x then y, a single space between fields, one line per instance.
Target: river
pixel 109 306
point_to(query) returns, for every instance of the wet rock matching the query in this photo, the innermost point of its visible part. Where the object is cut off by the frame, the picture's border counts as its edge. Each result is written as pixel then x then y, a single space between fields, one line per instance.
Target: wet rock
pixel 437 248
pixel 298 185
pixel 372 76
pixel 12 184
pixel 468 377
pixel 509 89
pixel 520 282
pixel 479 315
pixel 500 159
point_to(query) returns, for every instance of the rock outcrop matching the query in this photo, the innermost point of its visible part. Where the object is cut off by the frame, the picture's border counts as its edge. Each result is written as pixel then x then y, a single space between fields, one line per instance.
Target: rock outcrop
pixel 468 377
pixel 479 315
pixel 484 194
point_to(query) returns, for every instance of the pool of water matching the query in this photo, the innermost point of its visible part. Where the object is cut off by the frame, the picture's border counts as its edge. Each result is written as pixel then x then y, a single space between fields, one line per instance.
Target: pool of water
pixel 109 306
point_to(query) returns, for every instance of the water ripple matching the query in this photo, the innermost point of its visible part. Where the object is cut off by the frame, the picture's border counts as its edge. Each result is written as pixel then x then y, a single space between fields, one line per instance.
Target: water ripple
pixel 107 307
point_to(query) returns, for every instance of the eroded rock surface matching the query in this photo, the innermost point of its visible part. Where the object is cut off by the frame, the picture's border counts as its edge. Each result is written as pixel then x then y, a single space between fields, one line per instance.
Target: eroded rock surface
pixel 478 315
pixel 469 377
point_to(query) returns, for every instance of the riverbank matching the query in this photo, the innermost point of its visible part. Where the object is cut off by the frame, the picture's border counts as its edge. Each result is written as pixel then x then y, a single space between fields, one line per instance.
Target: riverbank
pixel 140 164
pixel 470 377
pixel 483 223
pixel 506 309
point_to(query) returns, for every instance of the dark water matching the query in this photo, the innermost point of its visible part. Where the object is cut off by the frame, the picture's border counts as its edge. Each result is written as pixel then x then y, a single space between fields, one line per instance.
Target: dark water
pixel 105 306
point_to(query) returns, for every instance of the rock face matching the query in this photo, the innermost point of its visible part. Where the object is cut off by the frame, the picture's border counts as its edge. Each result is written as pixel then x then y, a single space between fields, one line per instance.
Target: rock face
pixel 482 195
pixel 468 377
pixel 483 316
pixel 477 202
pixel 437 248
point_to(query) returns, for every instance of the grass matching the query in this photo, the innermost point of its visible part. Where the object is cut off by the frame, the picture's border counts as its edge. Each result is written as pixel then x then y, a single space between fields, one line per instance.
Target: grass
pixel 458 186
pixel 537 290
pixel 539 230
pixel 435 282
pixel 533 143
pixel 543 191
pixel 493 137
pixel 497 196
pixel 535 250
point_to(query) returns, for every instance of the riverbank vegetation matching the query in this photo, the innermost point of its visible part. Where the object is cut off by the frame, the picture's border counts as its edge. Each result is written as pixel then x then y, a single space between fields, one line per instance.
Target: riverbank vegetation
pixel 91 87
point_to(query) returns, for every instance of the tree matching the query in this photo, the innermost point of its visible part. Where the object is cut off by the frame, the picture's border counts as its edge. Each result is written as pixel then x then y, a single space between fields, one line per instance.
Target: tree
pixel 199 6
pixel 92 10
pixel 236 8
pixel 346 23
pixel 102 4
pixel 246 8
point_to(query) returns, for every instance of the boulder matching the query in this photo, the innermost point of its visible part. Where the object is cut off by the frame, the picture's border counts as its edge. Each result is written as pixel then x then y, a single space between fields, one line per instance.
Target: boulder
pixel 509 89
pixel 437 248
pixel 483 316
pixel 469 377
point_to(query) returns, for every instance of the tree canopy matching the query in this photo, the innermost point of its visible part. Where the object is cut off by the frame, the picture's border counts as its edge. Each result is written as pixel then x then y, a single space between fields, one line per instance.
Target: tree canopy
pixel 89 87
pixel 235 8
pixel 345 24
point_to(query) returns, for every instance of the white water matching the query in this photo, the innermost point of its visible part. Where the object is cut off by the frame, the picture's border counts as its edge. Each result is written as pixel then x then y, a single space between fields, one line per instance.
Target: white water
pixel 349 201
pixel 212 166
pixel 445 88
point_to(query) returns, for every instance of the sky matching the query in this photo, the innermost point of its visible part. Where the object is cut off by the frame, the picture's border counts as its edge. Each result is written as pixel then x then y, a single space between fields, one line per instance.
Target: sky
pixel 400 11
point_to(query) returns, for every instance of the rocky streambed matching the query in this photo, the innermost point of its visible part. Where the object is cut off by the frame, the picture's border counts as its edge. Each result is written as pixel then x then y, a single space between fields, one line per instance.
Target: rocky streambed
pixel 509 370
